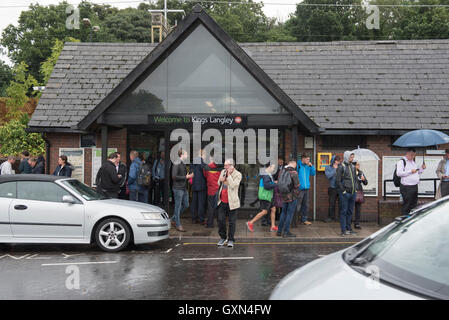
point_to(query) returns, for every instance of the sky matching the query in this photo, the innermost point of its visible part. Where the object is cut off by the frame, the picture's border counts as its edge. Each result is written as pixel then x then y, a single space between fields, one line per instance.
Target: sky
pixel 10 9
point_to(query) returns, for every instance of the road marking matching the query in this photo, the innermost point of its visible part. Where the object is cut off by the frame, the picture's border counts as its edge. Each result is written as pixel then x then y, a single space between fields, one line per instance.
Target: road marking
pixel 71 255
pixel 285 243
pixel 35 257
pixel 225 258
pixel 168 250
pixel 14 257
pixel 77 263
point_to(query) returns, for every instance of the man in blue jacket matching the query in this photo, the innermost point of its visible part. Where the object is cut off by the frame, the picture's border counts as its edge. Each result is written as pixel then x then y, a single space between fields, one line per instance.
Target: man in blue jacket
pixel 136 192
pixel 305 170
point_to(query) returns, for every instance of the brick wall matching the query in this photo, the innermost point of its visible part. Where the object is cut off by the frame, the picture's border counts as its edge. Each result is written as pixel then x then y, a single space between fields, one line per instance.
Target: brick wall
pixel 116 139
pixel 381 145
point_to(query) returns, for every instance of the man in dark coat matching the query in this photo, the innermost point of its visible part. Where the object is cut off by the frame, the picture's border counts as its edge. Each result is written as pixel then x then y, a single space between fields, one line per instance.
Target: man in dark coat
pixel 199 190
pixel 24 166
pixel 108 179
pixel 37 167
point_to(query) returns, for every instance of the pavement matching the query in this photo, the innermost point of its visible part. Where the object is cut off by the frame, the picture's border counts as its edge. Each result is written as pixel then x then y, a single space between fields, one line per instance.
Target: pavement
pixel 318 231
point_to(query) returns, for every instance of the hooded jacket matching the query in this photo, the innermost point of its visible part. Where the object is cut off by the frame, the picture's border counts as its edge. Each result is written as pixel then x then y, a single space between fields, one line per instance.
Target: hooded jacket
pixel 346 176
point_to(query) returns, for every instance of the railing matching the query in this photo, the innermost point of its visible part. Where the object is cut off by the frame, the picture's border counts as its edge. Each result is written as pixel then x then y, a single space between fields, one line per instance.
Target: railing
pixel 386 194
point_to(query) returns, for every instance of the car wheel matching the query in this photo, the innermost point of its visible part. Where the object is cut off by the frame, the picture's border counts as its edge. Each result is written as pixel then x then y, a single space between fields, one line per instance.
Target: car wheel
pixel 112 235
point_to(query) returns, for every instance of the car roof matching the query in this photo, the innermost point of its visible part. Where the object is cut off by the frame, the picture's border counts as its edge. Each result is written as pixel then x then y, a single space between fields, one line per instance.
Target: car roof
pixel 30 177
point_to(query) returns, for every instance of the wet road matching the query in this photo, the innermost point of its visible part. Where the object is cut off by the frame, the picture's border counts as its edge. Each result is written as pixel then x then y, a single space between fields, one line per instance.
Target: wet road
pixel 169 269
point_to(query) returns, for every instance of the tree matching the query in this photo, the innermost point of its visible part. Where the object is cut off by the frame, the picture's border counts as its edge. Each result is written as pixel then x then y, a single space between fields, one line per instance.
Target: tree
pixel 13 137
pixel 5 78
pixel 341 20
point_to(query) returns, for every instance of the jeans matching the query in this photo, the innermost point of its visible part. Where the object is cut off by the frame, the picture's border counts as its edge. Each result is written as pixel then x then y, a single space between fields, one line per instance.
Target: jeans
pixel 347 203
pixel 181 203
pixel 223 212
pixel 333 194
pixel 198 208
pixel 303 204
pixel 211 212
pixel 139 196
pixel 288 210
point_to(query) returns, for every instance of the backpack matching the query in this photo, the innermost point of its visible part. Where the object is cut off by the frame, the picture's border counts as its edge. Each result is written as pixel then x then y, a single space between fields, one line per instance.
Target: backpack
pixel 144 175
pixel 285 183
pixel 396 178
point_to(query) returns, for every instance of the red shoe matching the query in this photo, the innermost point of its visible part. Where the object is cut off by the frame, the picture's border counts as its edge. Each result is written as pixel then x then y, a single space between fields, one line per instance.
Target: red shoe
pixel 274 229
pixel 250 226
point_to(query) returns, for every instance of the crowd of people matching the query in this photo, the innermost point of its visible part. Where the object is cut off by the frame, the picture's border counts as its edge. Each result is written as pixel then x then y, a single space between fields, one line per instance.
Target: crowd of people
pixel 216 189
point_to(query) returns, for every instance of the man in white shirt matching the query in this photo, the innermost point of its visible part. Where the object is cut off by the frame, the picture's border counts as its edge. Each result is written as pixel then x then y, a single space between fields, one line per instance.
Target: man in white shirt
pixel 409 174
pixel 6 167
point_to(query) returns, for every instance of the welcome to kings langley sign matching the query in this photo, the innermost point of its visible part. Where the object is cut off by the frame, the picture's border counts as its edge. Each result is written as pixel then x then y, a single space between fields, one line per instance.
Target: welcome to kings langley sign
pixel 204 120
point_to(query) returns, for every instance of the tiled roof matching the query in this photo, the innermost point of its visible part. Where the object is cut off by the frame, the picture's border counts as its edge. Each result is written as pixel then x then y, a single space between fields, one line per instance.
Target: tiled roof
pixel 339 85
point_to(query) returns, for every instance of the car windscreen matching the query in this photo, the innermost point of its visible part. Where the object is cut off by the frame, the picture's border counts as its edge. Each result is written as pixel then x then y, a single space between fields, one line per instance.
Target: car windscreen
pixel 84 191
pixel 414 255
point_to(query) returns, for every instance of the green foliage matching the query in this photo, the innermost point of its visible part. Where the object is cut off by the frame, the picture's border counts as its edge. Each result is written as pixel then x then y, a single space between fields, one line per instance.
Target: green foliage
pixel 5 78
pixel 14 139
pixel 18 90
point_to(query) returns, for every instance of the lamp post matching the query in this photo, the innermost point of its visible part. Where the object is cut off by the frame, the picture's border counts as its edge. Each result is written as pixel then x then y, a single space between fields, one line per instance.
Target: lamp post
pixel 86 22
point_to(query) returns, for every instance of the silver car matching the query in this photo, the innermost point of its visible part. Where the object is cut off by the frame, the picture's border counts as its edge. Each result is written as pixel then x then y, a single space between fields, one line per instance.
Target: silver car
pixel 50 209
pixel 408 259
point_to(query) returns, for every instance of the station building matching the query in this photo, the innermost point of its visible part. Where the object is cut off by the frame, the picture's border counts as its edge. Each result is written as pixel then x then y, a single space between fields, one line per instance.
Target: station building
pixel 322 98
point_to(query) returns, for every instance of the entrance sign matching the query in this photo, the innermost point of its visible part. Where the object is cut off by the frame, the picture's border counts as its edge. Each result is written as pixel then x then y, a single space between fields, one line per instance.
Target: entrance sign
pixel 75 156
pixel 225 121
pixel 96 162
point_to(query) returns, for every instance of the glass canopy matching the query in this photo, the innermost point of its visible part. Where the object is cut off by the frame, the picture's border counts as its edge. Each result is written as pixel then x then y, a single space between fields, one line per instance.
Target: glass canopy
pixel 199 76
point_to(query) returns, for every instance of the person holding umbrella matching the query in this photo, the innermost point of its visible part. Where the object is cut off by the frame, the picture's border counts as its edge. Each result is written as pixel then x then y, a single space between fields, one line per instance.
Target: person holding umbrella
pixel 409 172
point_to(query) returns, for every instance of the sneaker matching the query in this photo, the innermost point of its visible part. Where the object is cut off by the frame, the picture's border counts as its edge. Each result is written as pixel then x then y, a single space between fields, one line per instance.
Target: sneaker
pixel 250 226
pixel 230 244
pixel 347 233
pixel 279 234
pixel 343 234
pixel 221 243
pixel 180 229
pixel 289 235
pixel 306 223
pixel 274 229
pixel 352 232
pixel 357 226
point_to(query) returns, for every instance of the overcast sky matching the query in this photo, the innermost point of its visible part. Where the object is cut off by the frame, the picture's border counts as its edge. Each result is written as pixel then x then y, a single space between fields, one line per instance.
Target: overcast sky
pixel 10 9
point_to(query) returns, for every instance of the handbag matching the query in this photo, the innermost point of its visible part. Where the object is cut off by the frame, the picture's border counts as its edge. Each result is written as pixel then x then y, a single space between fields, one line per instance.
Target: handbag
pixel 360 197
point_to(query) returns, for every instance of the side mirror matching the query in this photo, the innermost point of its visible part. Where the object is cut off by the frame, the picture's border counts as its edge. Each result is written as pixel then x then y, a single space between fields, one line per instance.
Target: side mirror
pixel 68 199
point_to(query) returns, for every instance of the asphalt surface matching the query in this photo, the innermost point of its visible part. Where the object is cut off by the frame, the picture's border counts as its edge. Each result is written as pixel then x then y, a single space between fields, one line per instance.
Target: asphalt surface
pixel 170 269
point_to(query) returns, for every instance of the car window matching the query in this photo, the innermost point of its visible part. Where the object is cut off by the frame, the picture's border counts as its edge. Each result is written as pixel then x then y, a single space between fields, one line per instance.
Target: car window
pixel 8 190
pixel 416 252
pixel 40 190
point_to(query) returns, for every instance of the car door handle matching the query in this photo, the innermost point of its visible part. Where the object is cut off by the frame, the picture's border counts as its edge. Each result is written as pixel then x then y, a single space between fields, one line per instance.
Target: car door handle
pixel 20 207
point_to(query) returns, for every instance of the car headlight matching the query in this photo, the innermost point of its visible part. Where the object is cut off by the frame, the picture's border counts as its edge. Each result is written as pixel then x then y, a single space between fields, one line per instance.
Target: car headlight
pixel 151 215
